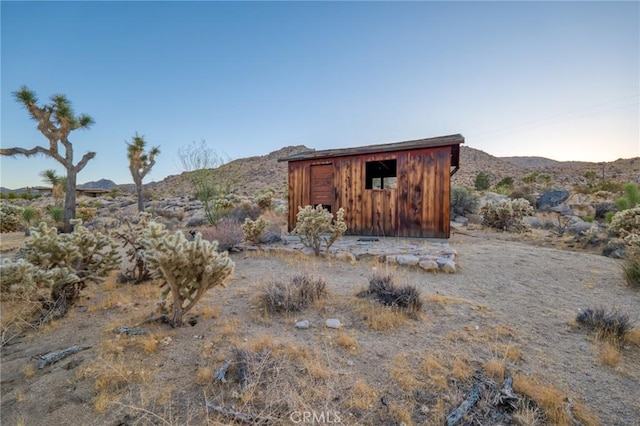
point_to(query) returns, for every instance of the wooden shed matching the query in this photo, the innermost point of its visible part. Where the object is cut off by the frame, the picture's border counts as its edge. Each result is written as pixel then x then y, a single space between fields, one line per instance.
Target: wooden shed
pixel 398 189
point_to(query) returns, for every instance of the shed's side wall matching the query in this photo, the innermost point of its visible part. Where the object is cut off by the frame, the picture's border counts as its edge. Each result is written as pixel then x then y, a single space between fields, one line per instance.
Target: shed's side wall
pixel 419 207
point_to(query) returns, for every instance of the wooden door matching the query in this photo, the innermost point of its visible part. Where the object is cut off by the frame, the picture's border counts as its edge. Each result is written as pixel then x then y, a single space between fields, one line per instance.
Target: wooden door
pixel 322 185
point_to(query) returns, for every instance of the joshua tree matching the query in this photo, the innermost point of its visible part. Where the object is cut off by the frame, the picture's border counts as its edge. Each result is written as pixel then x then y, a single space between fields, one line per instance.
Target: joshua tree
pixel 56 121
pixel 57 183
pixel 140 163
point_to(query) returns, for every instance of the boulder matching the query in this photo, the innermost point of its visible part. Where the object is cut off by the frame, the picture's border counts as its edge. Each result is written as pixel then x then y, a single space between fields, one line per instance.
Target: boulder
pixel 303 325
pixel 532 221
pixel 429 265
pixel 552 198
pixel 577 226
pixel 333 323
pixel 407 259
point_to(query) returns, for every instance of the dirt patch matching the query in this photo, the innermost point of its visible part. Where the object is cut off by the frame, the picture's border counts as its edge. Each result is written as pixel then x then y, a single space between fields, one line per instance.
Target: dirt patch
pixel 510 304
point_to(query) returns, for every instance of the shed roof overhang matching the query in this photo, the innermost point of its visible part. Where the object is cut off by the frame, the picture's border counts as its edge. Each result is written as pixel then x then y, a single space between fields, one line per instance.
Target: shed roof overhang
pixel 448 140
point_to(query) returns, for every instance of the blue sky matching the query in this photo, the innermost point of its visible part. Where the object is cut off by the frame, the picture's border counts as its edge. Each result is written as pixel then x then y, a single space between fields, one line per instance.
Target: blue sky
pixel 553 79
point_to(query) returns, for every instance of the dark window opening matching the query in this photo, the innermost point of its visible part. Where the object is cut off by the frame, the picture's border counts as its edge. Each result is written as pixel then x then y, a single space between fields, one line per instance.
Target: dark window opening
pixel 326 206
pixel 381 174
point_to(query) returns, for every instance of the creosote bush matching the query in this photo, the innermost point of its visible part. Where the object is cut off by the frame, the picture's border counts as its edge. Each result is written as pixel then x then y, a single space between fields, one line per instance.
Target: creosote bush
pixel 506 214
pixel 227 232
pixel 313 225
pixel 612 326
pixel 292 296
pixel 188 268
pixel 386 292
pixel 462 201
pixel 252 229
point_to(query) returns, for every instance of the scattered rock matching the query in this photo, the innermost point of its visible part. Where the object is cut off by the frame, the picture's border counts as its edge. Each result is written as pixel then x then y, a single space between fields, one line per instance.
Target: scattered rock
pixel 614 250
pixel 407 259
pixel 532 221
pixel 461 219
pixel 333 323
pixel 429 265
pixel 552 198
pixel 303 325
pixel 448 267
pixel 577 226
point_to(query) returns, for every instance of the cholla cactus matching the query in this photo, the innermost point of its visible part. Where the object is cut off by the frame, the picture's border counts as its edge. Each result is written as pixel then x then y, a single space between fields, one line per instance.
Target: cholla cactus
pixel 189 268
pixel 132 238
pixel 627 224
pixel 506 214
pixel 314 223
pixel 10 218
pixel 253 229
pixel 88 256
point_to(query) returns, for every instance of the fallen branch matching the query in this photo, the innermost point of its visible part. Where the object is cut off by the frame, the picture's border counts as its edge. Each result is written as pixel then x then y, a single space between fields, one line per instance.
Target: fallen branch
pixel 506 396
pixel 128 331
pixel 456 415
pixel 56 356
pixel 235 414
pixel 220 374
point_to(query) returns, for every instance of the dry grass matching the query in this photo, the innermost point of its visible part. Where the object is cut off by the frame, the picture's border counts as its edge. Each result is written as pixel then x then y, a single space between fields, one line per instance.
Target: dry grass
pixel 495 369
pixel 363 396
pixel 348 342
pixel 608 354
pixel 29 371
pixel 554 402
pixel 379 317
pixel 292 296
pixel 403 374
pixel 436 373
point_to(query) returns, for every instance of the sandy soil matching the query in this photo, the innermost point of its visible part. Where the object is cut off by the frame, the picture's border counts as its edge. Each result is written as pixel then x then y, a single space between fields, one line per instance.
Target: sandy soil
pixel 510 300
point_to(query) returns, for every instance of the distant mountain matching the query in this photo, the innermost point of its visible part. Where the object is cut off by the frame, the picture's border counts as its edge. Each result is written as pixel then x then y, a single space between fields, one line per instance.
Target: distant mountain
pixel 100 184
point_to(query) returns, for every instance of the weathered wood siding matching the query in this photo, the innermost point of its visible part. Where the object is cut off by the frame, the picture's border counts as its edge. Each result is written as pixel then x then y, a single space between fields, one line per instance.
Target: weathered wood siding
pixel 417 207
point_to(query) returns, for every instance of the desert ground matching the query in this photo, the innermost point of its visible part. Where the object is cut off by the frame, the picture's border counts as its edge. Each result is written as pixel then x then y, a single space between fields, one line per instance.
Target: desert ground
pixel 511 305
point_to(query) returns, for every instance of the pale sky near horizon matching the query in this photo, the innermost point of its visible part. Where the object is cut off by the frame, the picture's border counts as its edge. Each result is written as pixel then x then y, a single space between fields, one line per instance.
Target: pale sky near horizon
pixel 554 79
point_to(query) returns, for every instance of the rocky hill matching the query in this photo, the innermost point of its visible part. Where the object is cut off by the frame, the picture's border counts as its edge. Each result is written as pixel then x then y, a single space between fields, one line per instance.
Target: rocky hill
pixel 247 176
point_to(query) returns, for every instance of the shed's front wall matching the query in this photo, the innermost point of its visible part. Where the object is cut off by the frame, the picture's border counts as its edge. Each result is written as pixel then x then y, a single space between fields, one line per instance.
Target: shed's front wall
pixel 417 207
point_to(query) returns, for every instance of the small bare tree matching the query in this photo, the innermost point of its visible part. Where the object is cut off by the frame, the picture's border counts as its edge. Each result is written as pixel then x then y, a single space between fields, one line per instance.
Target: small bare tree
pixel 56 121
pixel 140 163
pixel 200 160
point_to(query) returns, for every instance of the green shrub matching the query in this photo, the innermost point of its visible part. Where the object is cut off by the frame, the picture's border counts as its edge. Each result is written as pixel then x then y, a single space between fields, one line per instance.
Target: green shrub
pixel 481 182
pixel 530 178
pixel 188 268
pixel 10 218
pixel 631 197
pixel 314 223
pixel 506 214
pixel 252 230
pixel 292 296
pixel 462 201
pixel 506 182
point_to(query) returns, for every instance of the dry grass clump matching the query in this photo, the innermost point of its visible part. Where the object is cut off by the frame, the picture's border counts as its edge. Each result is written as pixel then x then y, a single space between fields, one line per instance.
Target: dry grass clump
pixel 612 326
pixel 558 407
pixel 631 271
pixel 294 295
pixel 363 396
pixel 386 292
pixel 378 317
pixel 348 342
pixel 227 232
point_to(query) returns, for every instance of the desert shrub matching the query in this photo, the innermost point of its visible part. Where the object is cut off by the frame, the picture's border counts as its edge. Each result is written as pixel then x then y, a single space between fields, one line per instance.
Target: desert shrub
pixel 20 278
pixel 56 213
pixel 603 208
pixel 294 295
pixel 612 326
pixel 631 271
pixel 252 230
pixel 188 268
pixel 525 192
pixel 481 182
pixel 30 214
pixel 610 186
pixel 530 178
pixel 10 218
pixel 505 183
pixel 86 213
pixel 631 197
pixel 386 292
pixel 264 198
pixel 626 224
pixel 314 223
pixel 462 201
pixel 244 211
pixel 506 214
pixel 227 232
